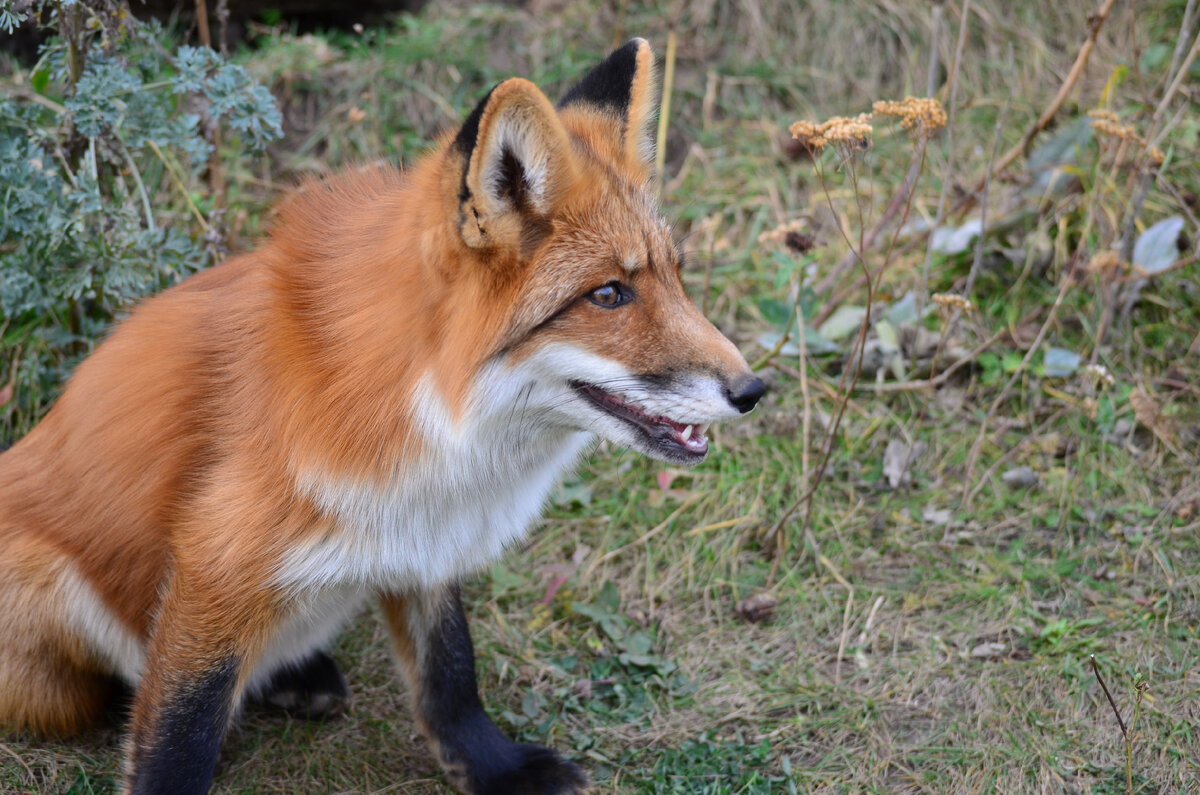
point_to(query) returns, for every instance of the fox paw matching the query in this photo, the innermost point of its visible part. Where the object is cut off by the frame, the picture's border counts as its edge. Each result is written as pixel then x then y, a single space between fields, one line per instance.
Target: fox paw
pixel 312 689
pixel 538 771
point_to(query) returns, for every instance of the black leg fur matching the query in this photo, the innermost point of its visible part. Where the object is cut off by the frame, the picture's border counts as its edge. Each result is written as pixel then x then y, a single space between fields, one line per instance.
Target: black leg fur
pixel 476 755
pixel 311 689
pixel 176 756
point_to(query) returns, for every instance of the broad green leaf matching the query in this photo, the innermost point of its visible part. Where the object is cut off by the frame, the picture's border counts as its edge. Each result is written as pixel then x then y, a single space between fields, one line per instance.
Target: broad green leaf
pixel 775 312
pixel 1060 362
pixel 887 334
pixel 845 320
pixel 902 311
pixel 1060 149
pixel 956 240
pixel 1158 246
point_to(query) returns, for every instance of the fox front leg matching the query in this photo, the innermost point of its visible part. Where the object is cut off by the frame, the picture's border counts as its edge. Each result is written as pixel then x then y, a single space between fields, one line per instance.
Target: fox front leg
pixel 174 745
pixel 429 630
pixel 195 670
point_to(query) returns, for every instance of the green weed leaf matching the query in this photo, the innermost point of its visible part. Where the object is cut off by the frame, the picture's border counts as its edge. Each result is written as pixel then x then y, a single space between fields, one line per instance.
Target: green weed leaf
pixel 1158 246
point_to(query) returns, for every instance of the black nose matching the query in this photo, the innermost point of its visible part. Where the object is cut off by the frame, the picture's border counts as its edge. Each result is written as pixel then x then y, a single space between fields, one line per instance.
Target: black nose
pixel 745 392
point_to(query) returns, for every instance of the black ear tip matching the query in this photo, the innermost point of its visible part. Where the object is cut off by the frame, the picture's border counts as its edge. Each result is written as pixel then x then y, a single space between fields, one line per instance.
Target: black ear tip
pixel 464 142
pixel 608 85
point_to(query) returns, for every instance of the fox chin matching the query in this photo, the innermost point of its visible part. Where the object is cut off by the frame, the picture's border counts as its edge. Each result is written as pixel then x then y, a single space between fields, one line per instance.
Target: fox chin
pixel 370 406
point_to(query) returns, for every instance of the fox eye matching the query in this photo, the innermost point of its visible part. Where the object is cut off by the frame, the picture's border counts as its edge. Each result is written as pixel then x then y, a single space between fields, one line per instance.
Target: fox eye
pixel 610 295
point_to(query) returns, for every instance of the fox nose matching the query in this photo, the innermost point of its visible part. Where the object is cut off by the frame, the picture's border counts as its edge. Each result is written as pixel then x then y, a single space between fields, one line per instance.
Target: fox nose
pixel 744 393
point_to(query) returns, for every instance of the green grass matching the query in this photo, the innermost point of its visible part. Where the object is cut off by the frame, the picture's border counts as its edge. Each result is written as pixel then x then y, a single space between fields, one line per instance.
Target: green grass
pixel 908 650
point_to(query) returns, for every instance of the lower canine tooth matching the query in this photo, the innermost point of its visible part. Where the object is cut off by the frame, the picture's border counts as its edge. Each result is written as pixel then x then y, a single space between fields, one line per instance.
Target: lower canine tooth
pixel 687 433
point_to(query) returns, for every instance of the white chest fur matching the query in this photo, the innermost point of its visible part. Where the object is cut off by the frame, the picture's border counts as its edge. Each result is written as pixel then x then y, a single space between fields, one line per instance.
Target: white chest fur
pixel 476 488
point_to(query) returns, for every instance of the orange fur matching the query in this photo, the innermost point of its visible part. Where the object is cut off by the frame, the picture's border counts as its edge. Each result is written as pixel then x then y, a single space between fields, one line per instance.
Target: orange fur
pixel 202 471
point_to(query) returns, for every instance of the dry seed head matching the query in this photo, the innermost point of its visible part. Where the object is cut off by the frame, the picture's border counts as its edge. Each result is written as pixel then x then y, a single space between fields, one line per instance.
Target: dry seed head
pixel 854 133
pixel 1099 373
pixel 923 114
pixel 1106 122
pixel 791 236
pixel 779 234
pixel 1105 262
pixel 952 301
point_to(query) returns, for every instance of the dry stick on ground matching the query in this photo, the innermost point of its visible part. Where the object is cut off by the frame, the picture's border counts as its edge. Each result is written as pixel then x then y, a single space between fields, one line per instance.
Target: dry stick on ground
pixel 944 376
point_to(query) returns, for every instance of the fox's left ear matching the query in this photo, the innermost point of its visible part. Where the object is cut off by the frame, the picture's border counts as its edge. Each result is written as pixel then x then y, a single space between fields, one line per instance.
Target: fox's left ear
pixel 623 86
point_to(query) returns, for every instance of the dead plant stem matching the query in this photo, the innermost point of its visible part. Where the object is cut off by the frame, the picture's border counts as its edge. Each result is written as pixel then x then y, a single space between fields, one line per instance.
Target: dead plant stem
pixel 973 457
pixel 935 40
pixel 845 389
pixel 977 263
pixel 1185 27
pixel 1097 22
pixel 947 178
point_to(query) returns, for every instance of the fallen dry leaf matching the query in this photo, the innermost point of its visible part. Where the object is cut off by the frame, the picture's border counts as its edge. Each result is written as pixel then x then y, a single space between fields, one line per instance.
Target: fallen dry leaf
pixel 757 608
pixel 1150 413
pixel 898 459
pixel 989 649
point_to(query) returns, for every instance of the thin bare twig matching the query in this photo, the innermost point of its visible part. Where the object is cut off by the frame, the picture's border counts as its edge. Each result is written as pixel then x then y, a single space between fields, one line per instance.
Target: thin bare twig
pixel 942 377
pixel 1108 695
pixel 900 200
pixel 1185 27
pixel 977 263
pixel 947 177
pixel 1097 21
pixel 935 40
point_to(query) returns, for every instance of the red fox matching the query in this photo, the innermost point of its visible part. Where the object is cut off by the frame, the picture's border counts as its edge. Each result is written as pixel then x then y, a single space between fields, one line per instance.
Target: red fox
pixel 372 405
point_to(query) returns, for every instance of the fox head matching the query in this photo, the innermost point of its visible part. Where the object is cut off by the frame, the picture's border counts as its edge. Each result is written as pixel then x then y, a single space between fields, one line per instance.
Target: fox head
pixel 555 206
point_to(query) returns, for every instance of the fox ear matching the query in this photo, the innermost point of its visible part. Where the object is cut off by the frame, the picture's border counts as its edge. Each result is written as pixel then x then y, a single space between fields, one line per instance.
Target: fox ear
pixel 623 86
pixel 517 164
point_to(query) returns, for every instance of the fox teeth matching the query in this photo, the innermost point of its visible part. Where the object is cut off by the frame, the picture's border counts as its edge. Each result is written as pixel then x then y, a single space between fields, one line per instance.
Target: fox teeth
pixel 687 432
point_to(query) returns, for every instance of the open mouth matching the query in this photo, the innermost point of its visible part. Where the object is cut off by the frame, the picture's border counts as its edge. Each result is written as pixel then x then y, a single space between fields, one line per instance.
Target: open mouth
pixel 676 439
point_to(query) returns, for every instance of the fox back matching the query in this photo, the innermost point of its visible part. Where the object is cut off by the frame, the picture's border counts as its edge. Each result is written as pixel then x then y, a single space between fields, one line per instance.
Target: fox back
pixel 374 403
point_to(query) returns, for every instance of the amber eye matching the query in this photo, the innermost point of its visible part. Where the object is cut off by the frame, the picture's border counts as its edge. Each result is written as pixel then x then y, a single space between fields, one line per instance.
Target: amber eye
pixel 610 295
